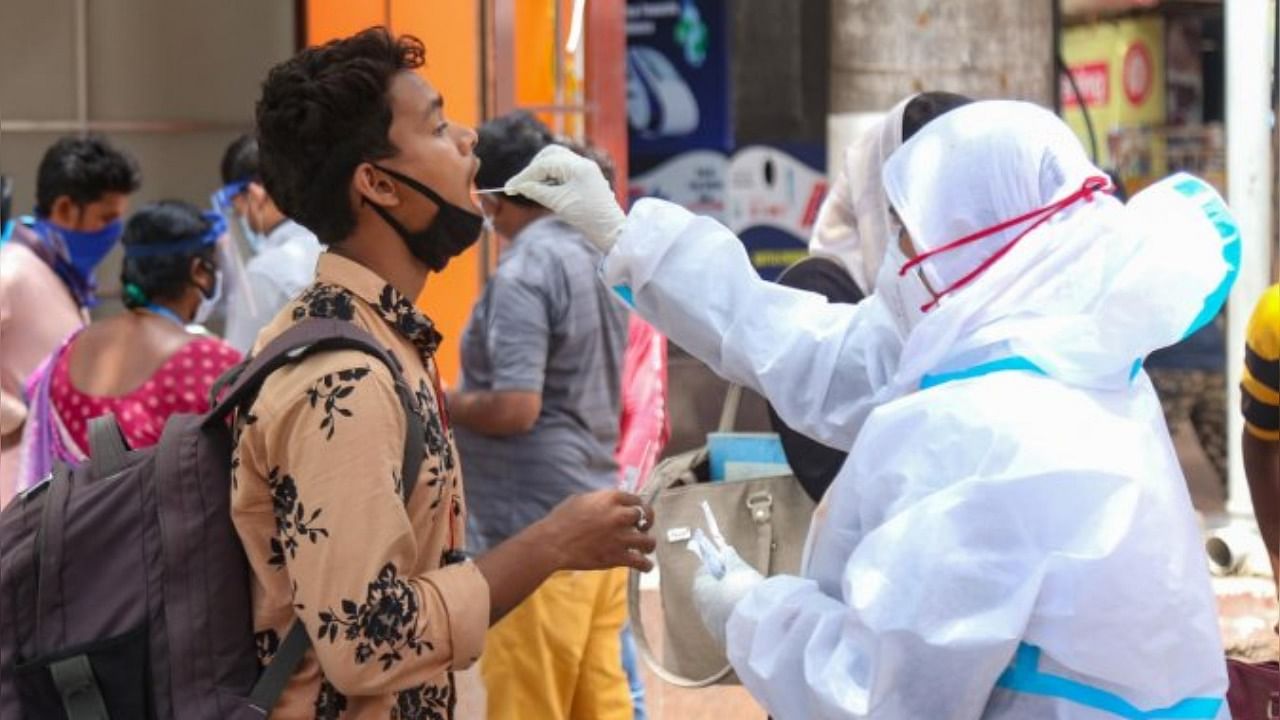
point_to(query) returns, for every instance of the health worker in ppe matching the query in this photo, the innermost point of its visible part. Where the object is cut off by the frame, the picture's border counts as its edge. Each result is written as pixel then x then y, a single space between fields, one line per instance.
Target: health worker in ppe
pixel 1011 536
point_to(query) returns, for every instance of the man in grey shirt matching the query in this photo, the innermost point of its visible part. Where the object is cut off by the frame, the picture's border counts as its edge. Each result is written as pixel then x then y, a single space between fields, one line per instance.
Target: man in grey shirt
pixel 536 420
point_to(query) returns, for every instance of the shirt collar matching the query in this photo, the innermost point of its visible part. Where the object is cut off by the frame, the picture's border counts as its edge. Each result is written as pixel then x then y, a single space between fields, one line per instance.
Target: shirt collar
pixel 335 273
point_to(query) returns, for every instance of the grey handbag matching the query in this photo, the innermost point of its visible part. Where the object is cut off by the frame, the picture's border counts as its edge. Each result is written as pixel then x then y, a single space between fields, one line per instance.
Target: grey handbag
pixel 765 519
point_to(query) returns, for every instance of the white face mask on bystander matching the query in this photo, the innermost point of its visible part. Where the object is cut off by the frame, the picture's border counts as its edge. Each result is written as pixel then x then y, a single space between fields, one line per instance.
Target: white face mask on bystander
pixel 209 302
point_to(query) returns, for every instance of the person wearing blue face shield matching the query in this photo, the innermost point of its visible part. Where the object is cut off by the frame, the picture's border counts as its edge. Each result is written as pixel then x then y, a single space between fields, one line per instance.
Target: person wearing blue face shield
pixel 284 253
pixel 47 265
pixel 1011 536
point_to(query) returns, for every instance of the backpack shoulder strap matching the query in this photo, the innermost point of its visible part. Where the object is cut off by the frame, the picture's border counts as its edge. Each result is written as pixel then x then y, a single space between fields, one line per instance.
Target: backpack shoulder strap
pixel 299 341
pixel 108 447
pixel 275 676
pixel 323 335
pixel 302 339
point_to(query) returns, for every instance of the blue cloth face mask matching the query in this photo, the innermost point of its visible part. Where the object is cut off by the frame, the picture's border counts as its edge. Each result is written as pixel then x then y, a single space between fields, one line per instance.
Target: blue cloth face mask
pixel 74 254
pixel 87 249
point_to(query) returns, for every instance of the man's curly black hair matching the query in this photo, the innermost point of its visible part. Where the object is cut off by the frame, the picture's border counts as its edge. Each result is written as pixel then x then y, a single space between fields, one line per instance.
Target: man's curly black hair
pixel 322 113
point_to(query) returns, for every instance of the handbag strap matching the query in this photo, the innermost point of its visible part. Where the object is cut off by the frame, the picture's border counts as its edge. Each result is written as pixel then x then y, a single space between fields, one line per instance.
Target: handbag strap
pixel 646 650
pixel 761 506
pixel 729 411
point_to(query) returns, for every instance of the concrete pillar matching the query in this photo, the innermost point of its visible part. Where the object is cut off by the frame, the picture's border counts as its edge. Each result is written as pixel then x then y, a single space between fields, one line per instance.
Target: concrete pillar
pixel 1249 48
pixel 882 50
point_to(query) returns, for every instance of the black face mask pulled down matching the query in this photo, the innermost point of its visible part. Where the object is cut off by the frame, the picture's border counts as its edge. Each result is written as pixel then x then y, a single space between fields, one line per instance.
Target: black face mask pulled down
pixel 449 235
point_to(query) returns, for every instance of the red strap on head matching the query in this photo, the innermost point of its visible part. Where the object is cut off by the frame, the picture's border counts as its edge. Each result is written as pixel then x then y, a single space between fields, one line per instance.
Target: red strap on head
pixel 1088 188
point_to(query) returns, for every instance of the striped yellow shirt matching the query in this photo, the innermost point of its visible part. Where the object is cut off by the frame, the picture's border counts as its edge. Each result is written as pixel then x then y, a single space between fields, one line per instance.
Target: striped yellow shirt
pixel 1260 396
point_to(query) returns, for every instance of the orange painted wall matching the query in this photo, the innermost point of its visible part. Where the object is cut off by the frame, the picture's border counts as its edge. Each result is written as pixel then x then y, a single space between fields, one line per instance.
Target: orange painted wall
pixel 451 31
pixel 329 19
pixel 535 53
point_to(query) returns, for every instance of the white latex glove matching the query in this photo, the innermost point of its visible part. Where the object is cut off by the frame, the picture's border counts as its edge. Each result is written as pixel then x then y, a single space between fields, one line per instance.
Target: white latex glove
pixel 572 187
pixel 716 598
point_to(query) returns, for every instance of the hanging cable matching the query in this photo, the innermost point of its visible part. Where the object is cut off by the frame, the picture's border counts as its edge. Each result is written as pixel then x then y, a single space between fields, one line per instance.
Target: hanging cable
pixel 1084 109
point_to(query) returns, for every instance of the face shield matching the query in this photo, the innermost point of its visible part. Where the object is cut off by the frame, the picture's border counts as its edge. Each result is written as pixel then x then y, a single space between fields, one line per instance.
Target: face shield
pixel 223 201
pixel 233 246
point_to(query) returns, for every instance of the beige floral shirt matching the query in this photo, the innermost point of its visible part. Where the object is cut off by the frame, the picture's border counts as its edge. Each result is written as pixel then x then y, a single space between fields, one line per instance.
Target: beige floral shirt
pixel 390 610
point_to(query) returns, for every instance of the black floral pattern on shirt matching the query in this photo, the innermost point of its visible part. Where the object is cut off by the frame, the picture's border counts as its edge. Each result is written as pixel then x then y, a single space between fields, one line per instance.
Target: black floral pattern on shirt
pixel 292 521
pixel 408 321
pixel 425 702
pixel 243 420
pixel 397 481
pixel 330 704
pixel 438 448
pixel 268 644
pixel 437 441
pixel 383 626
pixel 328 390
pixel 325 301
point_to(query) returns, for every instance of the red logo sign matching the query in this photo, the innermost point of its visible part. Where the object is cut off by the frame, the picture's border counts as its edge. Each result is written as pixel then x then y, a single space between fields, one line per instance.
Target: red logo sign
pixel 1094 82
pixel 812 207
pixel 1137 72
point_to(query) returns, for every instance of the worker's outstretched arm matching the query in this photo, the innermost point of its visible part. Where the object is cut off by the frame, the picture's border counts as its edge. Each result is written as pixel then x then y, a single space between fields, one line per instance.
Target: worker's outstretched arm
pixel 819 364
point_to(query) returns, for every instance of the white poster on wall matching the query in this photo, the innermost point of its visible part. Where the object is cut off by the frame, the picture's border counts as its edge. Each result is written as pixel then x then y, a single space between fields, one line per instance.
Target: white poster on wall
pixel 771 187
pixel 693 179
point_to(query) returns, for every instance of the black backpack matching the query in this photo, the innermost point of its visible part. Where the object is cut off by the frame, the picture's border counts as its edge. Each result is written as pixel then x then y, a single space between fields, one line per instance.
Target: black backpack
pixel 124 590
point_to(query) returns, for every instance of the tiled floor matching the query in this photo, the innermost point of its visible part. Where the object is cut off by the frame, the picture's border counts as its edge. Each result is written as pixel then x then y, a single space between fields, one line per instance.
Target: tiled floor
pixel 667 702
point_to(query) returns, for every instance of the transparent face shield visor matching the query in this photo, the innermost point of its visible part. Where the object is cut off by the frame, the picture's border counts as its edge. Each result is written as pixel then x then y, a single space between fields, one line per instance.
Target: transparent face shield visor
pixel 232 248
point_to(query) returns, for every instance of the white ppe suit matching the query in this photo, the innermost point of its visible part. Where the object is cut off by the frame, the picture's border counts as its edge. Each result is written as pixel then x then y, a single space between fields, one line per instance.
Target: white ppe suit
pixel 1011 536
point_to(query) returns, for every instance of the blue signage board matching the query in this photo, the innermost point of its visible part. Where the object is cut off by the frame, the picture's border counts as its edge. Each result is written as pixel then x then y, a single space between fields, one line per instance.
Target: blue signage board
pixel 678 76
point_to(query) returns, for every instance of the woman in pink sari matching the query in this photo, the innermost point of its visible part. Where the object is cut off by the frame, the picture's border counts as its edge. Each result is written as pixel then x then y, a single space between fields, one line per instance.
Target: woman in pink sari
pixel 142 365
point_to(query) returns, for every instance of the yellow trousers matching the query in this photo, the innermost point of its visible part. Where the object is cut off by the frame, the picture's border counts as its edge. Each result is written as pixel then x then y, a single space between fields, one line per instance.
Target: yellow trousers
pixel 557 655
